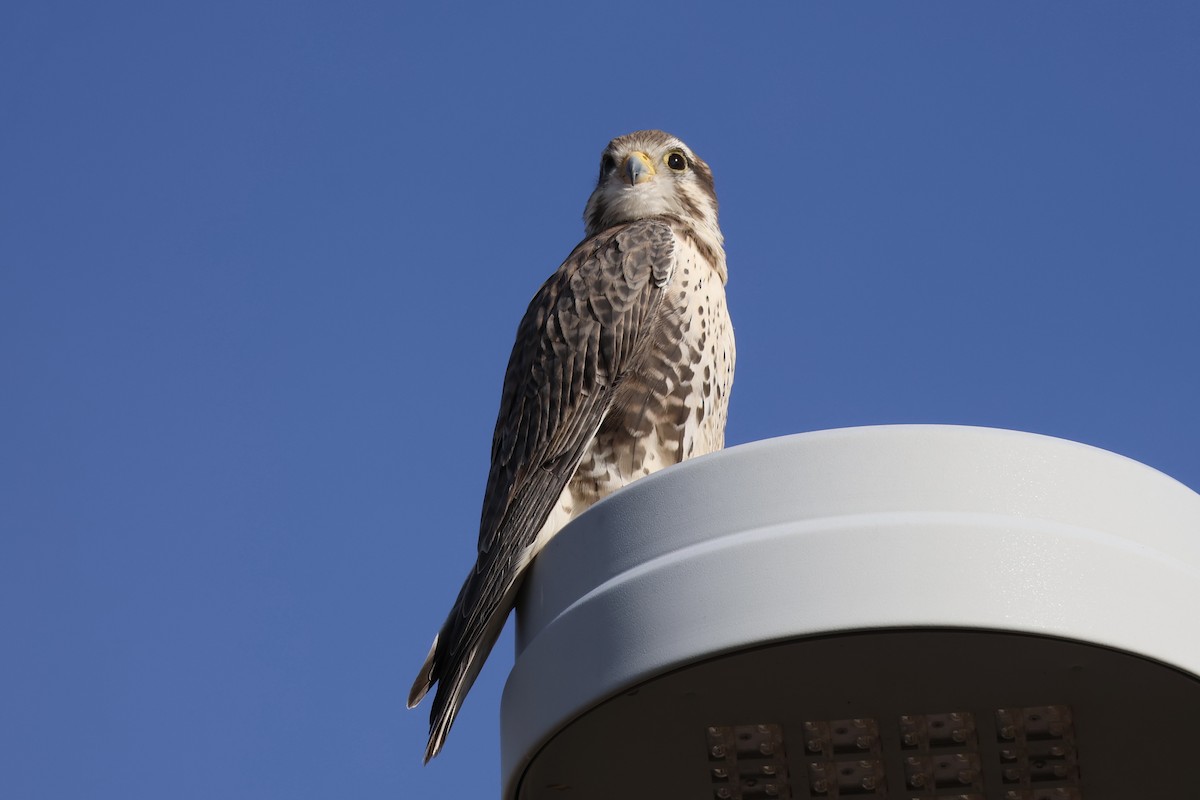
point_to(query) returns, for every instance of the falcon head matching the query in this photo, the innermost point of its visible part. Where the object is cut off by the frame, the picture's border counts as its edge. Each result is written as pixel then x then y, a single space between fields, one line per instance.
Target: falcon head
pixel 651 174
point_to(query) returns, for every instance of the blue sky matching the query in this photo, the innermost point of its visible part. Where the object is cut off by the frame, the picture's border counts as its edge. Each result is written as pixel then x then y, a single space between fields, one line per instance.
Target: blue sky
pixel 261 263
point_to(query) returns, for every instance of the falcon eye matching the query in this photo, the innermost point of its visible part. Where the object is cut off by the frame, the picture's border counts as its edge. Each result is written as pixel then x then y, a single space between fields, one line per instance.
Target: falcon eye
pixel 676 161
pixel 607 164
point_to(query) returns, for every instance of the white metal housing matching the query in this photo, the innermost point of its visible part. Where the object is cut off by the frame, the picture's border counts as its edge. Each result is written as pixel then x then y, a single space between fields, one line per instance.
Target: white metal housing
pixel 875 574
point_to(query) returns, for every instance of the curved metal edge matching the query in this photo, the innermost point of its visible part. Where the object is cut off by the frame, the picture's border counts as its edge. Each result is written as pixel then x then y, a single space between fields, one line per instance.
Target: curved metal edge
pixel 654 579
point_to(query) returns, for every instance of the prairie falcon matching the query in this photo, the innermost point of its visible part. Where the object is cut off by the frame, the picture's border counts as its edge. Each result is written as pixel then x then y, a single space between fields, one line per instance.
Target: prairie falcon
pixel 622 366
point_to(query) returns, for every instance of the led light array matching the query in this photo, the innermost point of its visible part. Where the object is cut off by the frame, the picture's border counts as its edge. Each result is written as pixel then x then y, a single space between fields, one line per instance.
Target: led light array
pixel 748 762
pixel 843 758
pixel 941 756
pixel 1037 753
pixel 939 752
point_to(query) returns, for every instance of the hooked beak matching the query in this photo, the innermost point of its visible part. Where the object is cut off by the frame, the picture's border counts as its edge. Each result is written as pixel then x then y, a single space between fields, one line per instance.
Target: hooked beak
pixel 638 168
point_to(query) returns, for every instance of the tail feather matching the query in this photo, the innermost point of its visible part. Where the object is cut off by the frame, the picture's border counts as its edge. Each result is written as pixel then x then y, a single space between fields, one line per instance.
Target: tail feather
pixel 451 692
pixel 425 677
pixel 454 676
pixel 467 637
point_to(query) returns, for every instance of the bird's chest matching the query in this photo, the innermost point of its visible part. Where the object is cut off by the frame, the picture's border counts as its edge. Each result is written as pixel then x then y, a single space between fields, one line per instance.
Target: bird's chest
pixel 696 358
pixel 672 406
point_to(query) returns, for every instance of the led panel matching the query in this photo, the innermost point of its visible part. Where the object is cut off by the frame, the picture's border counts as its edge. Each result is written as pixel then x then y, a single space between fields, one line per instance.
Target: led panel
pixel 747 762
pixel 758 725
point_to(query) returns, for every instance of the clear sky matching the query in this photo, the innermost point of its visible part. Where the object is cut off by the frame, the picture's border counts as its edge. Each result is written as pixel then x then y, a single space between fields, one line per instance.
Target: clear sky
pixel 261 264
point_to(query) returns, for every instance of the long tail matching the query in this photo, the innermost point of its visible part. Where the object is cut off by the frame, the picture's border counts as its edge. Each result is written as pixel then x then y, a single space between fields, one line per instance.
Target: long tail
pixel 454 676
pixel 487 595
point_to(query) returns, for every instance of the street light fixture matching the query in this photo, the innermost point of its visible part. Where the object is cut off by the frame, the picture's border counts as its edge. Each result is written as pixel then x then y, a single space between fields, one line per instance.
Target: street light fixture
pixel 901 611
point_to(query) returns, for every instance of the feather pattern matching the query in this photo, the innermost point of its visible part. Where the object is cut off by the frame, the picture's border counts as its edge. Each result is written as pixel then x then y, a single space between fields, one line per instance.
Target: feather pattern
pixel 621 366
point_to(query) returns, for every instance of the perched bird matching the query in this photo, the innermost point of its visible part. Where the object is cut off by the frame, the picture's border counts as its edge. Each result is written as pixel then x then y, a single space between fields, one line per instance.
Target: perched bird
pixel 622 366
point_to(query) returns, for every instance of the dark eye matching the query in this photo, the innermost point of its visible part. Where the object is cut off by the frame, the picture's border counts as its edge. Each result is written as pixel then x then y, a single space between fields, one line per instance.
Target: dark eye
pixel 676 161
pixel 607 164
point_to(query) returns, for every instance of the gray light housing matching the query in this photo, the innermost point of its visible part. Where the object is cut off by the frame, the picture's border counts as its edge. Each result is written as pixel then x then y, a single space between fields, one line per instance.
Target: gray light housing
pixel 690 636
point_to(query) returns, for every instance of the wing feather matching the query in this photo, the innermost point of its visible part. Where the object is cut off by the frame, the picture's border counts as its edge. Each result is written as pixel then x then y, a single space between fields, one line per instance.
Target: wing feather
pixel 585 328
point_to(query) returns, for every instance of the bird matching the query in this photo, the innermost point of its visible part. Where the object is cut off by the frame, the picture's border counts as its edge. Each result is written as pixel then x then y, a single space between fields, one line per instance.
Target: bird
pixel 622 365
